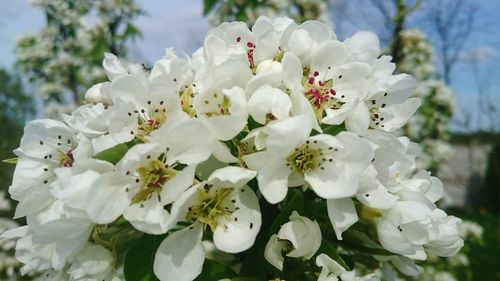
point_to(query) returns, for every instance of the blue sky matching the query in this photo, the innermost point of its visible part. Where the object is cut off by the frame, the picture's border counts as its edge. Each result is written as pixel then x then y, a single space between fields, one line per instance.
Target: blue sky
pixel 179 24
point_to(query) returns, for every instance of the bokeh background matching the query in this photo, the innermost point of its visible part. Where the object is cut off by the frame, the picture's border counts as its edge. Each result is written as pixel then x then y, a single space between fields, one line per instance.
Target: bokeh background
pixel 51 52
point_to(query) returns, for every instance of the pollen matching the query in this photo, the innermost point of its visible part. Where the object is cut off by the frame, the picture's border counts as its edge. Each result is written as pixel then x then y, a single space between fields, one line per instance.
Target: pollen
pixel 212 205
pixel 152 178
pixel 305 159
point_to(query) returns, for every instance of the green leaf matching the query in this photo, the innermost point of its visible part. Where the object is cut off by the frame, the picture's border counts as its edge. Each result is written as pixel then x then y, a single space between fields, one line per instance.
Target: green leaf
pixel 113 154
pixel 206 168
pixel 359 241
pixel 132 32
pixel 294 202
pixel 208 5
pixel 214 271
pixel 333 130
pixel 252 124
pixel 138 265
pixel 328 249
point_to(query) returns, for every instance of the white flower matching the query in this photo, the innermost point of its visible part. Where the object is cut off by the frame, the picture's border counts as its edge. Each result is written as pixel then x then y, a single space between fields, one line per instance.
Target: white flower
pixel 4 202
pixel 305 38
pixel 46 145
pixel 445 241
pixel 224 111
pixel 330 165
pixel 140 107
pixel 115 67
pixel 411 227
pixel 225 205
pixel 298 238
pixel 65 229
pixel 388 106
pixel 229 41
pixel 405 265
pixel 92 263
pixel 467 228
pixel 92 121
pixel 149 179
pixel 444 276
pixel 99 93
pixel 332 271
pixel 172 71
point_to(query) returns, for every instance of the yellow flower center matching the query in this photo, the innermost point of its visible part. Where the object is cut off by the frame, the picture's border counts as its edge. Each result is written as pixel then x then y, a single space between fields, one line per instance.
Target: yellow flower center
pixel 152 178
pixel 305 158
pixel 212 205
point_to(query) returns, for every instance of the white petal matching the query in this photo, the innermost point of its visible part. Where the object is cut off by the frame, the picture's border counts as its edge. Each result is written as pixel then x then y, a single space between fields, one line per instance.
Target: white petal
pixel 333 181
pixel 137 156
pixel 174 137
pixel 376 196
pixel 363 46
pixel 113 66
pixel 99 93
pixel 41 137
pixel 401 113
pixel 231 176
pixel 273 183
pixel 259 103
pixel 238 232
pixel 272 252
pixel 393 240
pixel 406 266
pixel 292 71
pixel 342 214
pixel 181 205
pixel 328 54
pixel 256 161
pixel 329 266
pixel 180 256
pixel 337 116
pixel 148 216
pixel 238 101
pixel 358 120
pixel 222 153
pixel 128 88
pixel 174 187
pixel 226 127
pixel 281 104
pixel 109 198
pixel 285 135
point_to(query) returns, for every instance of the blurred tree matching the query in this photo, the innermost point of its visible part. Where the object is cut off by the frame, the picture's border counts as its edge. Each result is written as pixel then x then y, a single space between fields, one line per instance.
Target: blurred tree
pixel 453 21
pixel 248 11
pixel 15 108
pixel 429 126
pixel 65 56
pixel 490 191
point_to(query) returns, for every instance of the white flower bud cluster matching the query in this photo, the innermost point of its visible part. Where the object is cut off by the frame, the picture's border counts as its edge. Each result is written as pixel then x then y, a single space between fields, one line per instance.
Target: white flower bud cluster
pixel 196 146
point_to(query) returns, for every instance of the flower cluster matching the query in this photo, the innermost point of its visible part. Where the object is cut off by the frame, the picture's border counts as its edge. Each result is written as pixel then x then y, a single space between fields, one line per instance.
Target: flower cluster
pixel 430 125
pixel 299 10
pixel 65 55
pixel 196 147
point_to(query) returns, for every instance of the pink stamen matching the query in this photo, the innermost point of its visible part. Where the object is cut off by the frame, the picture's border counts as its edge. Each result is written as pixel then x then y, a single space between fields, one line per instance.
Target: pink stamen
pixel 311 80
pixel 69 163
pixel 317 97
pixel 238 39
pixel 316 73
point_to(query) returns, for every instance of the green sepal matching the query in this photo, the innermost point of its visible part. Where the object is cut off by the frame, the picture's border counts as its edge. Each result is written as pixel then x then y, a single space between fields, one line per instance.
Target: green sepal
pixel 10 160
pixel 113 154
